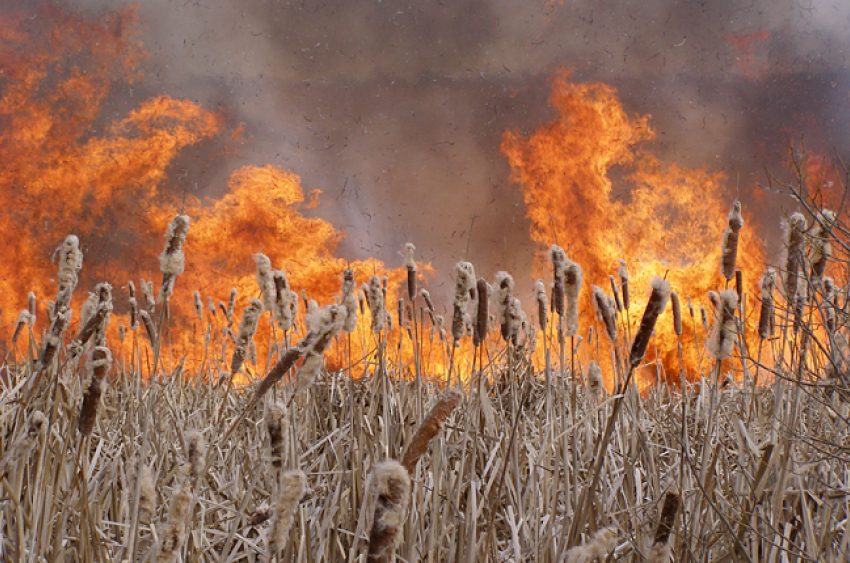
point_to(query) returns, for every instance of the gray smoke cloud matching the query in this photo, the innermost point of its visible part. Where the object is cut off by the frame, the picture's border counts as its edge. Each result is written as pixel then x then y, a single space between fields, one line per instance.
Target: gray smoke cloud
pixel 395 109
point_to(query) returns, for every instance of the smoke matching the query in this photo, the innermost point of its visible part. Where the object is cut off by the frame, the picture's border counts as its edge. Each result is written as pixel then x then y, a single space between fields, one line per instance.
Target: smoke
pixel 395 109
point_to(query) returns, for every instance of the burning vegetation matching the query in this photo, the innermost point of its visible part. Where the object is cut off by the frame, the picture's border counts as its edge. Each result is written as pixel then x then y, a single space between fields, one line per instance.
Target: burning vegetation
pixel 285 404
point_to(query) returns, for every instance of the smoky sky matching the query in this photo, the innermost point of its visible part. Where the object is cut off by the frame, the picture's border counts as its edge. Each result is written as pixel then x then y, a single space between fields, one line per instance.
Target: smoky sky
pixel 395 109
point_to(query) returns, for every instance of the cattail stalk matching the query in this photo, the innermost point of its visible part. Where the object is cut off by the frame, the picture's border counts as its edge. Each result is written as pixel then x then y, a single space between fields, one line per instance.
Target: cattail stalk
pixel 656 305
pixel 429 428
pixel 390 486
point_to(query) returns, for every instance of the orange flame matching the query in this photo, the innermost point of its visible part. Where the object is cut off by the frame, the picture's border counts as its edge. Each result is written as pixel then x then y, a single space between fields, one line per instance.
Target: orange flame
pixel 669 223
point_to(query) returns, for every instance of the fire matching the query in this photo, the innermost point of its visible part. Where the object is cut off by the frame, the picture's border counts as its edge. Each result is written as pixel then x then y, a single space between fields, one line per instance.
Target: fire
pixel 669 223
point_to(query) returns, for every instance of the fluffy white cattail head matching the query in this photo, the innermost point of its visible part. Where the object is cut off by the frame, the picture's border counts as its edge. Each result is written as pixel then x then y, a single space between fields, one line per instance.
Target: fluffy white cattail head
pixel 793 240
pixel 821 246
pixel 172 259
pixel 70 263
pixel 559 258
pixel 605 309
pixel 768 283
pixel 293 485
pixel 409 262
pixel 390 488
pixel 265 281
pixel 375 297
pixel 349 300
pixel 572 287
pixel 730 241
pixel 722 336
pixel 595 384
pixel 542 304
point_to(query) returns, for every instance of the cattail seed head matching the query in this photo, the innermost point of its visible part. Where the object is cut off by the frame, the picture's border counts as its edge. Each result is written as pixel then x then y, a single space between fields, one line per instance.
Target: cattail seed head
pixel 482 315
pixel 247 328
pixel 326 324
pixel 375 297
pixel 147 492
pixel 624 282
pixel 559 258
pixel 542 304
pixel 410 264
pixel 793 249
pixel 429 428
pixel 594 379
pixel 427 297
pixel 722 337
pixel 349 300
pixel 23 320
pixel 821 234
pixel 677 313
pixel 282 297
pixel 199 305
pixel 730 241
pixel 293 485
pixel 800 301
pixel 101 361
pixel 464 282
pixel 656 305
pixel 70 263
pixel 572 288
pixel 597 548
pixel 616 294
pixel 172 260
pixel 605 310
pixel 503 295
pixel 704 318
pixel 32 308
pixel 277 422
pixel 266 282
pixel 390 487
pixel 768 282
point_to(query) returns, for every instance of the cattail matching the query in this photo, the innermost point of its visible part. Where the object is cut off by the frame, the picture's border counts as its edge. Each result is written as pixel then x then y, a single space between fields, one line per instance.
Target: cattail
pixel 690 306
pixel 605 309
pixel 361 298
pixel 513 321
pixel 704 318
pixel 594 379
pixel 482 313
pixel 23 320
pixel 134 314
pixel 131 290
pixel 768 282
pixel 147 291
pixel 196 451
pixel 464 282
pixel 730 241
pixel 265 281
pixel 172 259
pixel 327 323
pixel 829 299
pixel 375 297
pixel 542 304
pixel 615 293
pixel 502 296
pixel 821 234
pixel 349 300
pixel 231 305
pixel 174 532
pixel 31 307
pixel 722 336
pixel 739 282
pixel 88 308
pixel 427 297
pixel 24 444
pixel 598 548
pixel 660 550
pixel 54 337
pixel 400 312
pixel 283 365
pixel 147 492
pixel 800 303
pixel 558 257
pixel 572 288
pixel 210 305
pixel 101 361
pixel 312 307
pixel 677 313
pixel 122 333
pixel 410 264
pixel 282 295
pixel 277 422
pixel 293 306
pixel 146 320
pixel 51 310
pixel 293 485
pixel 793 242
pixel 95 326
pixel 390 487
pixel 247 328
pixel 624 282
pixel 430 427
pixel 656 305
pixel 714 298
pixel 199 305
pixel 70 263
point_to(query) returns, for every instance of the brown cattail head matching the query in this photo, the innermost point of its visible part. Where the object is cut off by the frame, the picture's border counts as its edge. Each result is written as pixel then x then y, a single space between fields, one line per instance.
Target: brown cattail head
pixel 656 305
pixel 483 313
pixel 594 379
pixel 704 318
pixel 282 296
pixel 739 283
pixel 174 532
pixel 514 319
pixel 327 323
pixel 410 264
pixel 23 320
pixel 147 291
pixel 800 301
pixel 375 297
pixel 793 243
pixel 247 328
pixel 277 422
pixel 668 516
pixel 134 314
pixel 572 287
pixel 677 313
pixel 559 258
pixel 199 305
pixel 829 303
pixel 293 485
pixel 464 282
pixel 265 281
pixel 542 304
pixel 172 260
pixel 149 328
pixel 821 235
pixel 284 364
pixel 427 297
pixel 390 487
pixel 54 336
pixel 231 304
pixel 730 241
pixel 430 427
pixel 70 263
pixel 768 282
pixel 349 300
pixel 722 337
pixel 605 310
pixel 196 451
pixel 503 294
pixel 101 361
pixel 624 283
pixel 616 294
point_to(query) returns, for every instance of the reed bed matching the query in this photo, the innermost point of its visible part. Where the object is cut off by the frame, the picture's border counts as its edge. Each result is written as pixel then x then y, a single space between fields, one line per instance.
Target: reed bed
pixel 499 461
